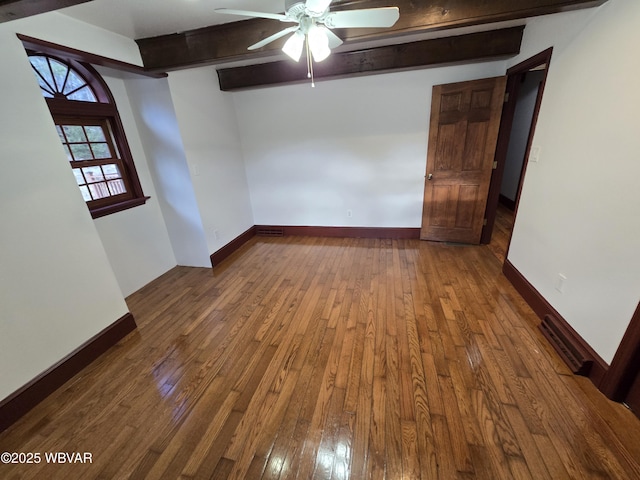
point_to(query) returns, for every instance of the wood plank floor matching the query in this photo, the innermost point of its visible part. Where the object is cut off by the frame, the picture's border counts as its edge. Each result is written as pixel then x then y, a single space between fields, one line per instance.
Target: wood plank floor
pixel 501 232
pixel 321 358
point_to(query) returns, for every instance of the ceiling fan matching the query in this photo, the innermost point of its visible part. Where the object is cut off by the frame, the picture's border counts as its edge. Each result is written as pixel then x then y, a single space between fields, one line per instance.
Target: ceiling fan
pixel 314 23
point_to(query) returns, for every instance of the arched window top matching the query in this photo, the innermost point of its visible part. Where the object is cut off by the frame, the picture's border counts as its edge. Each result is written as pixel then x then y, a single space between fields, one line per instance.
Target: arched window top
pixel 57 79
pixel 90 130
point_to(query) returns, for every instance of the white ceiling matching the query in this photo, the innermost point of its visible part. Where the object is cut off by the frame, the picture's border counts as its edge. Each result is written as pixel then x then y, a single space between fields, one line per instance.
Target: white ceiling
pixel 148 18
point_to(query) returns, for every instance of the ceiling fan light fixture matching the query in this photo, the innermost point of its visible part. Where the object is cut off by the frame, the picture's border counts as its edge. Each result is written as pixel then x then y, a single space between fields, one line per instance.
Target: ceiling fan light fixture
pixel 314 23
pixel 293 46
pixel 318 42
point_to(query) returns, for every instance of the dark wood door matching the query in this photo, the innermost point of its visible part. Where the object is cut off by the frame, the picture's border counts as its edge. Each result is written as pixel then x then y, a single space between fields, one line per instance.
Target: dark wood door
pixel 633 397
pixel 622 381
pixel 465 119
pixel 631 341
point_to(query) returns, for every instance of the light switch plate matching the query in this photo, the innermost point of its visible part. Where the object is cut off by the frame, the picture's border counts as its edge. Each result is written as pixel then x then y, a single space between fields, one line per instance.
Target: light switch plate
pixel 535 154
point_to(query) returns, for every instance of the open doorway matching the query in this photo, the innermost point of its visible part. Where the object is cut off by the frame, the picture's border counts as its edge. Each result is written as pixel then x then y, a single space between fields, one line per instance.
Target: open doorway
pixel 528 89
pixel 525 87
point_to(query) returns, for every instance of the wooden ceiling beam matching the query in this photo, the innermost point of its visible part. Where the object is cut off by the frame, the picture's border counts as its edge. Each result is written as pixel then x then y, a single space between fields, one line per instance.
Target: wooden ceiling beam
pixel 449 50
pixel 228 42
pixel 14 9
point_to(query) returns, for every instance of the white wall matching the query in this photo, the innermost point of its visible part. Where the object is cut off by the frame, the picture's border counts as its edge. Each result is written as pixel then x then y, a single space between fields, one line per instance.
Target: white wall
pixel 357 144
pixel 211 139
pixel 136 240
pixel 57 288
pixel 158 127
pixel 579 208
pixel 58 28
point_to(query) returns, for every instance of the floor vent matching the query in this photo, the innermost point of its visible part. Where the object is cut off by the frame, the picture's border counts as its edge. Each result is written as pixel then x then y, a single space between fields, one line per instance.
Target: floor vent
pixel 270 232
pixel 566 345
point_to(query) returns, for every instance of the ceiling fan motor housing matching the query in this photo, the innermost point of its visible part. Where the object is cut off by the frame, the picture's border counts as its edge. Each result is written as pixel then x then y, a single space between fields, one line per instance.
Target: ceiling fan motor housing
pixel 294 8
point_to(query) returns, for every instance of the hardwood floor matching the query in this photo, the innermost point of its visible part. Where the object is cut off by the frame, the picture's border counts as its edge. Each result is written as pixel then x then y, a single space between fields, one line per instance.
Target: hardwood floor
pixel 501 232
pixel 331 358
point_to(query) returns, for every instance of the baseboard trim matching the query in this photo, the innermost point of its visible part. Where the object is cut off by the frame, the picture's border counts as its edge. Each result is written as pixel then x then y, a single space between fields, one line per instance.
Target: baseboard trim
pixel 507 202
pixel 24 399
pixel 310 231
pixel 344 232
pixel 226 251
pixel 595 368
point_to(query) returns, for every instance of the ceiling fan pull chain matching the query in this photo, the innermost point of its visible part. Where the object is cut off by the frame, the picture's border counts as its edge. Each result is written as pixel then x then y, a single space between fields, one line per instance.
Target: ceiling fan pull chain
pixel 306 45
pixel 309 65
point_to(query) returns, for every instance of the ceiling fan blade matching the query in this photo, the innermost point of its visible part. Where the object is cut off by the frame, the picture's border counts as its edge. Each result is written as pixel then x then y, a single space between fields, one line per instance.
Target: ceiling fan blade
pixel 363 18
pixel 273 37
pixel 248 13
pixel 334 40
pixel 317 7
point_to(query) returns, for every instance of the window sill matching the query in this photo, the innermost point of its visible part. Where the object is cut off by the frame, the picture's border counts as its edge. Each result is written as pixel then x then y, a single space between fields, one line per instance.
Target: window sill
pixel 118 207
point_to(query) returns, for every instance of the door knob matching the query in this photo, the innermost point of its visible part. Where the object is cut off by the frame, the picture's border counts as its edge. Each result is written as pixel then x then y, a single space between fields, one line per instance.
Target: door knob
pixel 430 176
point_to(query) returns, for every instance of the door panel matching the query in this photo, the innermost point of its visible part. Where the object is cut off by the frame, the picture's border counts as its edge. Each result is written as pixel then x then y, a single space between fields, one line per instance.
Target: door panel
pixel 473 148
pixel 466 206
pixel 439 204
pixel 465 118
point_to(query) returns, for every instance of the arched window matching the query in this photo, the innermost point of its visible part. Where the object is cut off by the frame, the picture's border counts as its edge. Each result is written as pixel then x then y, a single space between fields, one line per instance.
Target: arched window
pixel 91 133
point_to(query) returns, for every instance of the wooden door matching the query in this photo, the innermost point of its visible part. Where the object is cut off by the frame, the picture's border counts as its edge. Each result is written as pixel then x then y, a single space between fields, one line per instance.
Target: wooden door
pixel 629 349
pixel 465 119
pixel 633 397
pixel 622 380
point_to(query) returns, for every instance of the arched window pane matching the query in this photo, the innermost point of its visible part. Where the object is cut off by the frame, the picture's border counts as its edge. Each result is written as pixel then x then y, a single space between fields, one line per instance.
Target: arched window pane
pixel 57 78
pixel 74 82
pixel 39 63
pixel 41 66
pixel 84 95
pixel 46 88
pixel 59 73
